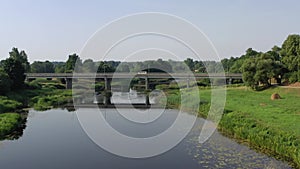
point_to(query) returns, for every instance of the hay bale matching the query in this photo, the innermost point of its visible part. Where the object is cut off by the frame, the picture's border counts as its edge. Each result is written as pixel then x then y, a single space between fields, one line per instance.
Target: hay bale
pixel 275 96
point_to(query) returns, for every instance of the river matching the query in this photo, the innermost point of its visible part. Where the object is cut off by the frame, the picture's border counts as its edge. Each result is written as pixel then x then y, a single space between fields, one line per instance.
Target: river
pixel 54 139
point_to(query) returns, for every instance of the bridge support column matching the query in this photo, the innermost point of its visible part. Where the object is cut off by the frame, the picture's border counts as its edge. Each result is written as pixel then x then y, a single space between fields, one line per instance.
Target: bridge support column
pixel 147 100
pixel 68 83
pixel 146 83
pixel 107 83
pixel 230 81
pixel 107 91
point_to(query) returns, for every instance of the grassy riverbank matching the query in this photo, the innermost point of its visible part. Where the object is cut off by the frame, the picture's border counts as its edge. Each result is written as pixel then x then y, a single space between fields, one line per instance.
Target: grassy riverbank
pixel 39 99
pixel 42 95
pixel 9 122
pixel 271 126
pixel 39 94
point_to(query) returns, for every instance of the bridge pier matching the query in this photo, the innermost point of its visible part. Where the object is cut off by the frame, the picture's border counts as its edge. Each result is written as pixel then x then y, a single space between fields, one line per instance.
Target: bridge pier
pixel 188 83
pixel 147 100
pixel 230 81
pixel 107 83
pixel 146 83
pixel 68 83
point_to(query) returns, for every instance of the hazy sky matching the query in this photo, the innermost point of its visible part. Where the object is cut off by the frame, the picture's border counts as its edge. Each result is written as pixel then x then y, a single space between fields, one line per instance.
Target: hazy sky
pixel 53 29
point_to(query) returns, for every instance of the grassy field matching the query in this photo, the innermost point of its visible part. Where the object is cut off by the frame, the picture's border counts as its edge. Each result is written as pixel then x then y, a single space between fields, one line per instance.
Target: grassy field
pixel 272 126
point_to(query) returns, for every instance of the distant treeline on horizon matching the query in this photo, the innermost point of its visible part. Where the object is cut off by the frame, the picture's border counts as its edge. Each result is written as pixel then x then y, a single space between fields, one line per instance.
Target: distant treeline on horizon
pixel 257 67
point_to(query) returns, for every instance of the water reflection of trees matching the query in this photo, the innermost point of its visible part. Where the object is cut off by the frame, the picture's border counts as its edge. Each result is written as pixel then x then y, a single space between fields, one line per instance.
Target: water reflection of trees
pixel 18 132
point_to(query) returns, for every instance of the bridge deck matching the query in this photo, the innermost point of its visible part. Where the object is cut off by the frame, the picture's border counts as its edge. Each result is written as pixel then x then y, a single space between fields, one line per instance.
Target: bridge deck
pixel 131 75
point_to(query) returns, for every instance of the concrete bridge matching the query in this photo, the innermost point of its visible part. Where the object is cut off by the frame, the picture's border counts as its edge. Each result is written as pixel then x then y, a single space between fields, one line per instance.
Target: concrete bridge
pixel 143 75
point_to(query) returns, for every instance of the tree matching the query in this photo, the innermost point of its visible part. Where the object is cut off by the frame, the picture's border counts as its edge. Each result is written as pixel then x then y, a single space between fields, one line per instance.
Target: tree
pixel 260 69
pixel 290 53
pixel 238 63
pixel 15 66
pixel 199 66
pixel 59 67
pixel 5 82
pixel 123 67
pixel 42 67
pixel 104 67
pixel 15 70
pixel 228 63
pixel 89 66
pixel 71 63
pixel 190 63
pixel 21 57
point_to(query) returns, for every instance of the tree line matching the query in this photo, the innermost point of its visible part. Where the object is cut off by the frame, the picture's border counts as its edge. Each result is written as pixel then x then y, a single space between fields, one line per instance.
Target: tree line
pixel 258 68
pixel 279 63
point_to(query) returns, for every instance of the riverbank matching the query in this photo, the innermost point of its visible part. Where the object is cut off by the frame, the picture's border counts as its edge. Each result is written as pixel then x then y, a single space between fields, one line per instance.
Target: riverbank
pixel 9 125
pixel 39 94
pixel 270 126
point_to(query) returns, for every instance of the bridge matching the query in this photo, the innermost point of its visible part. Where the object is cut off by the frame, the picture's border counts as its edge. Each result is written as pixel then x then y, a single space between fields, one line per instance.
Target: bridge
pixel 144 75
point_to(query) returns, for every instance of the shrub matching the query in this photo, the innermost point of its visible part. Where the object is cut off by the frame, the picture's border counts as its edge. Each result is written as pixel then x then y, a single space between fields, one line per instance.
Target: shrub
pixel 7 105
pixel 5 82
pixel 8 123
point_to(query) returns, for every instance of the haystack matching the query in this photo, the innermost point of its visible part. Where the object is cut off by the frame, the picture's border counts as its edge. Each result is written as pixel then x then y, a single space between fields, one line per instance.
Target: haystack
pixel 275 96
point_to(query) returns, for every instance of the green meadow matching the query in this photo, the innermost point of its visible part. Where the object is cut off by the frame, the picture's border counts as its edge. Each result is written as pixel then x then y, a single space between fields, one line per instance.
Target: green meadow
pixel 270 126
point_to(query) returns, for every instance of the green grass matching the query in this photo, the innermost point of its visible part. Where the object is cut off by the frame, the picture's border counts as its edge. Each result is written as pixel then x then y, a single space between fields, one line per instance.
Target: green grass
pixel 272 126
pixel 48 99
pixel 41 95
pixel 283 114
pixel 8 123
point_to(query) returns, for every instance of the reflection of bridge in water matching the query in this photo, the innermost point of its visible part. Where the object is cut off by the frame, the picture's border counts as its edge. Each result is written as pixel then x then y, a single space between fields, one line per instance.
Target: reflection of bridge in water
pixel 112 106
pixel 107 77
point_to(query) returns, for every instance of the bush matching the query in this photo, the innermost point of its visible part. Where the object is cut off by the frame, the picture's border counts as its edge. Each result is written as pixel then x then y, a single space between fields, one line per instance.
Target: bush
pixel 33 85
pixel 7 105
pixel 8 123
pixel 5 82
pixel 50 101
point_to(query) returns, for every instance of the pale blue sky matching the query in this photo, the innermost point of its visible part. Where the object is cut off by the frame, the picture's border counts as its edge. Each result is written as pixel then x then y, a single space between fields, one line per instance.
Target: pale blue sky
pixel 50 30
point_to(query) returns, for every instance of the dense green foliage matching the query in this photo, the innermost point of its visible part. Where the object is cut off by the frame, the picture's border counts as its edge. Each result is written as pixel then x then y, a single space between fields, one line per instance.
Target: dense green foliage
pixel 71 63
pixel 42 67
pixel 278 63
pixel 290 53
pixel 259 69
pixel 15 66
pixel 8 105
pixel 51 98
pixel 5 82
pixel 8 123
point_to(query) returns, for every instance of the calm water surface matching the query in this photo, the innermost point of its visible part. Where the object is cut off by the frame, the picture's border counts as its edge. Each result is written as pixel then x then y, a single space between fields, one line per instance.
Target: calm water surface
pixel 54 139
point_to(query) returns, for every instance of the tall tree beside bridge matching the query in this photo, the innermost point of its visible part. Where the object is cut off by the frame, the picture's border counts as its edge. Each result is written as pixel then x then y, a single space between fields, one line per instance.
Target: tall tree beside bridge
pixel 15 66
pixel 71 62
